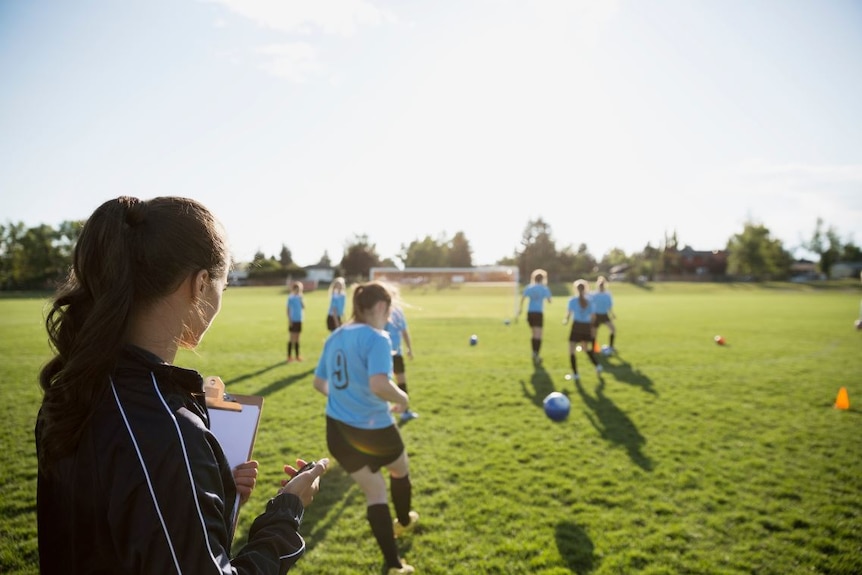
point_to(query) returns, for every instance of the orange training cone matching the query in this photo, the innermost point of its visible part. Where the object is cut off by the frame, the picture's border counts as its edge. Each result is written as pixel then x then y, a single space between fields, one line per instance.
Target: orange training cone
pixel 842 401
pixel 596 347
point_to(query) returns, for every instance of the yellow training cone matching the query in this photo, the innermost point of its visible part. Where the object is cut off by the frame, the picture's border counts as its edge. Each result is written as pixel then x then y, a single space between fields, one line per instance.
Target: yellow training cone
pixel 842 401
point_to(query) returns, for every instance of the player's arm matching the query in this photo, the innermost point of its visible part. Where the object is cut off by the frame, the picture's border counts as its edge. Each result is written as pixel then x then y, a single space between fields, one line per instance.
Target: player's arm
pixel 405 335
pixel 388 390
pixel 321 385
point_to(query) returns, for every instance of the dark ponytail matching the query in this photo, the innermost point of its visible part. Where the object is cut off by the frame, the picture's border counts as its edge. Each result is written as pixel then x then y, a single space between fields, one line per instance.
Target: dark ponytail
pixel 129 254
pixel 366 296
pixel 581 286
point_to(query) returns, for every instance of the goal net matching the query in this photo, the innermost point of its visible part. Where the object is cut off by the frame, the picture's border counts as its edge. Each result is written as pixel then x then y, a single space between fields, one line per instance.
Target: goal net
pixel 479 280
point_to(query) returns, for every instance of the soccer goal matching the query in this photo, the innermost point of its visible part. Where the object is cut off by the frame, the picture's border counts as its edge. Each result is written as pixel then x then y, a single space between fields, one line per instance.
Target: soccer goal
pixel 488 278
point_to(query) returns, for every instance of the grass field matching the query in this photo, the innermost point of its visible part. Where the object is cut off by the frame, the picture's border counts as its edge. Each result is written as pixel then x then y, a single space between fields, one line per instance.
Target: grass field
pixel 686 457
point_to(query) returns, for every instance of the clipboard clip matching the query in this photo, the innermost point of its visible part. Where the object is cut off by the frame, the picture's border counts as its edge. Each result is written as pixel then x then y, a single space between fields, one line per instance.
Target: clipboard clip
pixel 216 397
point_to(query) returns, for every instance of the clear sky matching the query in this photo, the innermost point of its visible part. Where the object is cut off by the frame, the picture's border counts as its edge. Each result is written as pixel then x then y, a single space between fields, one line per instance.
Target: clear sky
pixel 306 122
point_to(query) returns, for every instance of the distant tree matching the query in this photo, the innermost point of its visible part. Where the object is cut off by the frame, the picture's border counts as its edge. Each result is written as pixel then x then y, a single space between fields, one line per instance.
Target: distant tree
pixel 851 252
pixel 538 249
pixel 261 263
pixel 324 260
pixel 11 254
pixel 37 257
pixel 285 258
pixel 425 253
pixel 575 264
pixel 359 257
pixel 644 263
pixel 460 255
pixel 826 244
pixel 756 254
pixel 668 260
pixel 42 264
pixel 614 257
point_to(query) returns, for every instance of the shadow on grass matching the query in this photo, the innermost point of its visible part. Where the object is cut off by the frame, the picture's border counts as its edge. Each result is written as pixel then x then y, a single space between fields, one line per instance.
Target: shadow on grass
pixel 261 371
pixel 282 383
pixel 542 386
pixel 329 505
pixel 625 373
pixel 576 548
pixel 614 425
pixel 338 492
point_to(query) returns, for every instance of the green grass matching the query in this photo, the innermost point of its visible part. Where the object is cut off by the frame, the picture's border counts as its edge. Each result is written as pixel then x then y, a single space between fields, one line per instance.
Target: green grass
pixel 689 457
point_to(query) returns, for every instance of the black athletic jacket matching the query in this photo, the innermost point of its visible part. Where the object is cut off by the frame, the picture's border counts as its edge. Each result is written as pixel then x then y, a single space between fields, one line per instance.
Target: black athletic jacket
pixel 149 489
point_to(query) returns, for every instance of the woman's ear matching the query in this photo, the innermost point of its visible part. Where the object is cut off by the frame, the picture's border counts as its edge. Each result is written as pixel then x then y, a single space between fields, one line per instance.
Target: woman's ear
pixel 200 281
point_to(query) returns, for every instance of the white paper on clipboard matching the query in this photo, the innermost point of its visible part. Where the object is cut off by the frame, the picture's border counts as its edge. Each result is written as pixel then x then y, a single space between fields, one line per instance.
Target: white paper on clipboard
pixel 234 421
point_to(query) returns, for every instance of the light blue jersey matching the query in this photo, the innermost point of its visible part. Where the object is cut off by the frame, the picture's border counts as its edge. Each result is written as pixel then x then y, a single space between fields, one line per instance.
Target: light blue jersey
pixel 536 294
pixel 336 304
pixel 396 324
pixel 294 307
pixel 602 301
pixel 581 314
pixel 351 355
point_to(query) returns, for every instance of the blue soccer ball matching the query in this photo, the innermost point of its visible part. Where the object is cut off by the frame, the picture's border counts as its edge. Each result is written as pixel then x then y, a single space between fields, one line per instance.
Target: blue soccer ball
pixel 474 339
pixel 557 406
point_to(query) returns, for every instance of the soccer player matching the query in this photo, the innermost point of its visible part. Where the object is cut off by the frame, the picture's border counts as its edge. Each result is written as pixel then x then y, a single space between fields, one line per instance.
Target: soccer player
pixel 603 304
pixel 353 374
pixel 396 327
pixel 537 293
pixel 337 299
pixel 295 308
pixel 130 479
pixel 581 311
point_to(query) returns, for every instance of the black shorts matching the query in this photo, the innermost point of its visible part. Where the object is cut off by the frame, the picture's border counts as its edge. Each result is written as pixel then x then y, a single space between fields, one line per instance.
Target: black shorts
pixel 294 327
pixel 581 332
pixel 535 319
pixel 397 364
pixel 332 323
pixel 354 448
pixel 602 318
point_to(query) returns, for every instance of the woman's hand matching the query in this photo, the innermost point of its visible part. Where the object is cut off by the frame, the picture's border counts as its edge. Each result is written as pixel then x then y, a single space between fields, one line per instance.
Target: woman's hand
pixel 245 477
pixel 306 484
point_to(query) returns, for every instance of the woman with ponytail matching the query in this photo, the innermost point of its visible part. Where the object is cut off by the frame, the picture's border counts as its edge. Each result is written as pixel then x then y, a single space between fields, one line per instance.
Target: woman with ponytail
pixel 583 333
pixel 353 373
pixel 130 479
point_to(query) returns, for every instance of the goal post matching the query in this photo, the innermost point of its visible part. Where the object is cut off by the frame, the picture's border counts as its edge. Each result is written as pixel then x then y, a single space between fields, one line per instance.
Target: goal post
pixel 499 277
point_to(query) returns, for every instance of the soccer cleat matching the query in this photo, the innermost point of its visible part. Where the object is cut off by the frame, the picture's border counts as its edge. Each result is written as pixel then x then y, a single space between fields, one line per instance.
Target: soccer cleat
pixel 401 529
pixel 599 369
pixel 289 359
pixel 298 358
pixel 576 377
pixel 403 570
pixel 408 415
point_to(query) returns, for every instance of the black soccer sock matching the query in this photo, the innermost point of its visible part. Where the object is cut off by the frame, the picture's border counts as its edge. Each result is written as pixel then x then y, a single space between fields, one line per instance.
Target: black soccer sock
pixel 402 491
pixel 534 343
pixel 574 361
pixel 403 387
pixel 380 519
pixel 289 348
pixel 296 347
pixel 592 357
pixel 612 339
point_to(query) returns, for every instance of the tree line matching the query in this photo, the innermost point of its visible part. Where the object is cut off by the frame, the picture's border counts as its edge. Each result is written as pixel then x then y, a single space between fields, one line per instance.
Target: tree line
pixel 39 257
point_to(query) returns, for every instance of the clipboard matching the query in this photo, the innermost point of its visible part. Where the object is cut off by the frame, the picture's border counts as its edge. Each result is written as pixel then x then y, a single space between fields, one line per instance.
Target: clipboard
pixel 234 420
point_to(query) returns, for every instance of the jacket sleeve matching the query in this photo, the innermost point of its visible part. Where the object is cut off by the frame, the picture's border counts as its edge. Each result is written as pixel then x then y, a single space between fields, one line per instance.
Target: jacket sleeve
pixel 179 518
pixel 274 543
